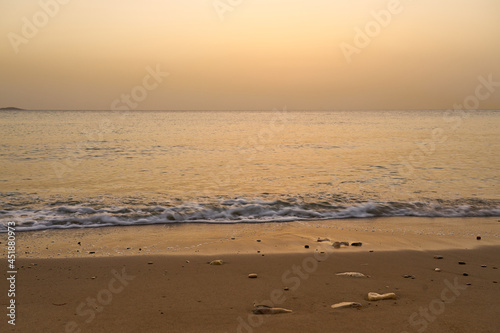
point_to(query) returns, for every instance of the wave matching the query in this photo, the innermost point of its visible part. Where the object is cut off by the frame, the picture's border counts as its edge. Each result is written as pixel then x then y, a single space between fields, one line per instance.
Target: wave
pixel 234 211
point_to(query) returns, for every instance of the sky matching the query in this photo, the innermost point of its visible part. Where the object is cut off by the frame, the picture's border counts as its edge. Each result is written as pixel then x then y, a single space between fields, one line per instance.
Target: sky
pixel 248 54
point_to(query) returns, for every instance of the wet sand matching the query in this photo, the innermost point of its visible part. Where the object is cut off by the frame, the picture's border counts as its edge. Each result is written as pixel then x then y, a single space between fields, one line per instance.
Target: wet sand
pixel 157 278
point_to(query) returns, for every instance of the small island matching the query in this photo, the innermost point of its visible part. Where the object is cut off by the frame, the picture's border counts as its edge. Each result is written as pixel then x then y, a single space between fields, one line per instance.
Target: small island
pixel 11 108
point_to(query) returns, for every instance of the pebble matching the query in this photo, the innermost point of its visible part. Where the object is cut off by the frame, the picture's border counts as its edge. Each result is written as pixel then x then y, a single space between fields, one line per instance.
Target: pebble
pixel 306 246
pixel 286 288
pixel 356 244
pixel 438 257
pixel 483 266
pixel 216 262
pixel 437 269
pixel 461 262
pixel 465 274
pixel 409 276
pixel 187 261
pixel 258 240
pixel 252 276
pixel 91 252
pixel 150 263
pixel 478 237
pixel 469 284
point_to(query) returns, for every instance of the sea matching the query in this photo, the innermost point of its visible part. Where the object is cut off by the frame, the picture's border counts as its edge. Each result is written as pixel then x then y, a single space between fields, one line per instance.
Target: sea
pixel 89 169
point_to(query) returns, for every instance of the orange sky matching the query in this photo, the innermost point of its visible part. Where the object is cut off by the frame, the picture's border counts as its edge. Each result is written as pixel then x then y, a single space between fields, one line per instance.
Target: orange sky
pixel 257 54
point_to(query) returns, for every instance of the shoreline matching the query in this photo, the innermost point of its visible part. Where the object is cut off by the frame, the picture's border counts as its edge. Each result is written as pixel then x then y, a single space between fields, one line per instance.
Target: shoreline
pixel 395 233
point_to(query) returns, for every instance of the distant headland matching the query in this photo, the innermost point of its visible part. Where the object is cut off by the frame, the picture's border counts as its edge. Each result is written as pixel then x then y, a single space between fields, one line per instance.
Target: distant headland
pixel 11 108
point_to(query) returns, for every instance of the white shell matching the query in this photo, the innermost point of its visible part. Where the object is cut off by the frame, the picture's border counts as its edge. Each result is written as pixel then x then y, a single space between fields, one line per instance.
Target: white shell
pixel 377 297
pixel 352 274
pixel 346 305
pixel 265 310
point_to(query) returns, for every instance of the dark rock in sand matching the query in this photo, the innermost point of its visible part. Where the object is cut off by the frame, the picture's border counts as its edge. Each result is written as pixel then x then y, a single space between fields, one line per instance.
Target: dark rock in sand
pixel 306 246
pixel 356 244
pixel 461 262
pixel 465 274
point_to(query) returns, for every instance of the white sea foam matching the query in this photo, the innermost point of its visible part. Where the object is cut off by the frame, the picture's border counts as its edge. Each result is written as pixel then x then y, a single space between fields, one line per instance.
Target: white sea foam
pixel 229 211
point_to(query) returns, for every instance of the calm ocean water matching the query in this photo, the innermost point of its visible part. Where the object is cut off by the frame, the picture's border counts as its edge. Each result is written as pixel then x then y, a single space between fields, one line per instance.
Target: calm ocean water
pixel 63 169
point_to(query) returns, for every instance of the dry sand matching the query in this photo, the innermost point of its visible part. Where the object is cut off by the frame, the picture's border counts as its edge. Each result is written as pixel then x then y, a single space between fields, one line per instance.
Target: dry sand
pixel 157 278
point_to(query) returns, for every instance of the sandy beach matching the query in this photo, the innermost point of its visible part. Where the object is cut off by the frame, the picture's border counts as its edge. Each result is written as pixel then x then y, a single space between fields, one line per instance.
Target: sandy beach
pixel 157 278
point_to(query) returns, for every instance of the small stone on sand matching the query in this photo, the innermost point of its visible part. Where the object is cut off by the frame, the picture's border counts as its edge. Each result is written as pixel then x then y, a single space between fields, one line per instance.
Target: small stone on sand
pixel 338 244
pixel 437 269
pixel 252 276
pixel 258 240
pixel 356 244
pixel 465 274
pixel 478 237
pixel 306 246
pixel 438 257
pixel 461 262
pixel 216 262
pixel 483 266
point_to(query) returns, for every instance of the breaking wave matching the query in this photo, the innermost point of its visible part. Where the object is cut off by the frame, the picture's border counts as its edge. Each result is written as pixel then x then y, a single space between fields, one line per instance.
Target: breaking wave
pixel 88 215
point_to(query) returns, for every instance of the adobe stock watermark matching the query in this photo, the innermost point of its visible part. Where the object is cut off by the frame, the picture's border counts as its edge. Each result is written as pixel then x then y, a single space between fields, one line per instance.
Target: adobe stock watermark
pixel 126 102
pixel 293 278
pixel 104 297
pixel 427 315
pixel 31 27
pixel 483 91
pixel 372 29
pixel 223 6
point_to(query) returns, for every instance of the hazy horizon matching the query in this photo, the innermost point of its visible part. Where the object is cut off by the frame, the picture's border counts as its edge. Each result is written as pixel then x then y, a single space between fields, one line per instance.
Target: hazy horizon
pixel 251 55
